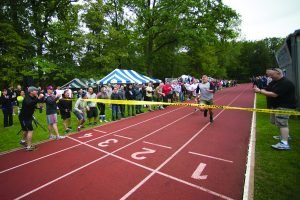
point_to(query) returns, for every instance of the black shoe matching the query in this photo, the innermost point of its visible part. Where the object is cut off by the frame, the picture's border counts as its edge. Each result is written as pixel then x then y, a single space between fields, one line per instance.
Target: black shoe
pixel 211 119
pixel 205 113
pixel 31 148
pixel 23 143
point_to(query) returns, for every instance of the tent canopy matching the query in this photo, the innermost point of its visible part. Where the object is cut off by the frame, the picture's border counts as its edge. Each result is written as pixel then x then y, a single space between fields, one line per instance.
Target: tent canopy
pixel 80 83
pixel 126 77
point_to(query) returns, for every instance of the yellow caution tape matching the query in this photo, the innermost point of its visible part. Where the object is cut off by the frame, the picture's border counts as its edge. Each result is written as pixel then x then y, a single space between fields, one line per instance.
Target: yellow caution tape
pixel 132 102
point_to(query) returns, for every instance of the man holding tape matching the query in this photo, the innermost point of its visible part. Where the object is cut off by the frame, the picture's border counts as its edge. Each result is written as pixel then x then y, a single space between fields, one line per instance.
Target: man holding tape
pixel 280 95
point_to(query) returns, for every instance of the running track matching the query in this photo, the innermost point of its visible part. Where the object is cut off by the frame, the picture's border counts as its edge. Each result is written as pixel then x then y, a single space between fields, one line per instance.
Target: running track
pixel 169 154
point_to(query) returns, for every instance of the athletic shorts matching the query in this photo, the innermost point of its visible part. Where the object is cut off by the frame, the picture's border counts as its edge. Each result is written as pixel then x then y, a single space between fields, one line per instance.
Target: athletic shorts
pixel 280 120
pixel 65 115
pixel 207 102
pixel 80 116
pixel 93 112
pixel 26 124
pixel 51 119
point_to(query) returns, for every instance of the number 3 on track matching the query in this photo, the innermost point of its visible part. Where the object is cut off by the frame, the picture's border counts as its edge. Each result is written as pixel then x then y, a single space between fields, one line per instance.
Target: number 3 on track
pixel 197 173
pixel 146 151
pixel 106 142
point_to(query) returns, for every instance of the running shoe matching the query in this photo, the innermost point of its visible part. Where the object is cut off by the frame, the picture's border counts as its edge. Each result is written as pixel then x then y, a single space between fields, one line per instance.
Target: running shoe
pixel 23 142
pixel 60 137
pixel 51 137
pixel 211 119
pixel 31 148
pixel 281 146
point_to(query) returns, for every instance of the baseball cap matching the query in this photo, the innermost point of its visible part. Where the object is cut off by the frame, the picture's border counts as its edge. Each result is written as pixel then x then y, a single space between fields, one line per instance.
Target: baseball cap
pixel 50 87
pixel 32 88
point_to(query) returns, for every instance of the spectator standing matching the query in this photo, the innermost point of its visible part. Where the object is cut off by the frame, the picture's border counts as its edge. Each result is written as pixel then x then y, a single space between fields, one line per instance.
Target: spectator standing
pixel 101 106
pixel 167 93
pixel 80 110
pixel 123 97
pixel 51 113
pixel 7 100
pixel 20 99
pixel 159 94
pixel 149 95
pixel 65 107
pixel 26 116
pixel 280 95
pixel 138 96
pixel 115 96
pixel 92 111
pixel 130 95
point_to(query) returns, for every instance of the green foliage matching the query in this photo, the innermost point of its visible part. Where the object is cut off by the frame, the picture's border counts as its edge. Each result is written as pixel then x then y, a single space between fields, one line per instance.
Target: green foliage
pixel 56 40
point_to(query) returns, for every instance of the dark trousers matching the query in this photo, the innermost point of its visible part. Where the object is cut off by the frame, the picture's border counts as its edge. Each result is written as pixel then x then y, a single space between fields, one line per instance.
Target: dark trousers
pixel 8 117
pixel 115 110
pixel 132 109
pixel 101 107
pixel 122 110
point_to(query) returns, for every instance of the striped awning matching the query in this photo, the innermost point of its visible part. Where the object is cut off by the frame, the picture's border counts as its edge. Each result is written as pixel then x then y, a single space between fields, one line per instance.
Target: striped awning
pixel 126 77
pixel 75 84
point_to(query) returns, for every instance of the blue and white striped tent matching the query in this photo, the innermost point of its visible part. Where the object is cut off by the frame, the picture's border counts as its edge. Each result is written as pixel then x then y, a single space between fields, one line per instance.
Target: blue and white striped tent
pixel 126 77
pixel 77 83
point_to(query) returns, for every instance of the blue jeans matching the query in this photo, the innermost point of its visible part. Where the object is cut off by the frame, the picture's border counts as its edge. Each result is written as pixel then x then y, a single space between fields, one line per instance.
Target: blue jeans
pixel 115 110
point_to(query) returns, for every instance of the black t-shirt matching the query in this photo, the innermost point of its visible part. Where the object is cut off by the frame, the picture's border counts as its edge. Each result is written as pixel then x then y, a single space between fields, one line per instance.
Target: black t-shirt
pixel 28 107
pixel 285 90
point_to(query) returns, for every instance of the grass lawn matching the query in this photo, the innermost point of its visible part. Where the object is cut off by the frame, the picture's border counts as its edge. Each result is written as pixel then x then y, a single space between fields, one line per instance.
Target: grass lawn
pixel 9 139
pixel 277 173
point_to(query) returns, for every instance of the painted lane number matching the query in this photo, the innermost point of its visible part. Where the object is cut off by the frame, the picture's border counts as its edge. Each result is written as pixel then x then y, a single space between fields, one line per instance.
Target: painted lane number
pixel 138 155
pixel 198 172
pixel 86 135
pixel 107 142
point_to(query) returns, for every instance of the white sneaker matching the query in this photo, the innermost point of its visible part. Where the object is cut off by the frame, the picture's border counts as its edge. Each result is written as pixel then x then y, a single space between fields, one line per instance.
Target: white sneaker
pixel 105 120
pixel 100 120
pixel 51 137
pixel 281 146
pixel 60 137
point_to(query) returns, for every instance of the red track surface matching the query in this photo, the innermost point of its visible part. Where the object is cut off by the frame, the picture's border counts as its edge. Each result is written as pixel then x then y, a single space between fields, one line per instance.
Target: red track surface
pixel 171 154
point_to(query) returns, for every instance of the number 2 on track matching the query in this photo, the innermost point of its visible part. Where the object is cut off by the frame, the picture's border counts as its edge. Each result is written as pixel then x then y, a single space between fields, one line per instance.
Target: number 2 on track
pixel 197 173
pixel 146 151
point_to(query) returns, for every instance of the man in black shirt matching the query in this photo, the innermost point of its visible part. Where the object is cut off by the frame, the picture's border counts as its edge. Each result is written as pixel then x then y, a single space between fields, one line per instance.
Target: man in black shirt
pixel 280 95
pixel 26 116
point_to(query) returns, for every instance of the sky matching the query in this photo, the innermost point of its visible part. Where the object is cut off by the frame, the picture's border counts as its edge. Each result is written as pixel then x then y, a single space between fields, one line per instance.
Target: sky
pixel 266 18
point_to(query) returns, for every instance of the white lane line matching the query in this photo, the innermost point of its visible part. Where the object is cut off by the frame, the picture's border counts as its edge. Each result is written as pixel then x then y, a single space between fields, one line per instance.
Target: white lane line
pixel 54 153
pixel 127 127
pixel 37 159
pixel 121 136
pixel 158 172
pixel 61 177
pixel 99 131
pixel 90 163
pixel 207 156
pixel 173 155
pixel 159 145
pixel 85 143
pixel 249 176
